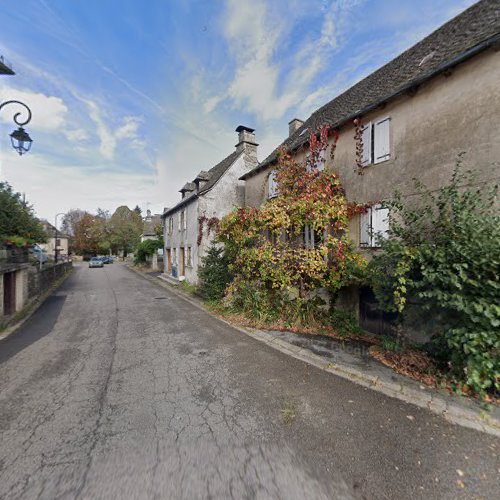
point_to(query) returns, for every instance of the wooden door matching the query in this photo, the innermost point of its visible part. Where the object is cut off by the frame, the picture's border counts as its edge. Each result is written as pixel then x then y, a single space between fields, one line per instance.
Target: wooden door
pixel 169 260
pixel 9 293
pixel 182 271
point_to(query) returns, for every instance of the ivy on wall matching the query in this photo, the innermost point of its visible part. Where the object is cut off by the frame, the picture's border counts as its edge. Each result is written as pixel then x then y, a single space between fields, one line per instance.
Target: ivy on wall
pixel 299 240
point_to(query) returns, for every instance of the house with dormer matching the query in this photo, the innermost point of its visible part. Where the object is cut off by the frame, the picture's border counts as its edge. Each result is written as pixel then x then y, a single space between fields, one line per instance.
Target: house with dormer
pixel 211 195
pixel 410 119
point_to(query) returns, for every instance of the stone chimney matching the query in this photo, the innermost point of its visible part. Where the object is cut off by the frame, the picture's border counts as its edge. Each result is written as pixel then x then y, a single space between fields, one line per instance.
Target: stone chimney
pixel 247 144
pixel 294 125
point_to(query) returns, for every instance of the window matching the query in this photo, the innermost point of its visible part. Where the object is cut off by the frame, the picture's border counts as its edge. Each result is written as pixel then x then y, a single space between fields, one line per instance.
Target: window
pixel 272 185
pixel 376 141
pixel 185 220
pixel 189 262
pixel 58 242
pixel 374 226
pixel 182 221
pixel 170 225
pixel 311 237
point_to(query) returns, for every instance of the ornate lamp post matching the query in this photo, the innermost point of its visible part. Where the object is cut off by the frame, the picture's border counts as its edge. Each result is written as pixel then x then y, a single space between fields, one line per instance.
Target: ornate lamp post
pixel 20 139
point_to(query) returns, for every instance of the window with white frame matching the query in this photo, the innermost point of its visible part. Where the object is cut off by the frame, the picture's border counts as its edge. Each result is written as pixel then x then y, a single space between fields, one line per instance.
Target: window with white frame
pixel 170 225
pixel 374 226
pixel 272 185
pixel 182 221
pixel 311 237
pixel 320 162
pixel 376 141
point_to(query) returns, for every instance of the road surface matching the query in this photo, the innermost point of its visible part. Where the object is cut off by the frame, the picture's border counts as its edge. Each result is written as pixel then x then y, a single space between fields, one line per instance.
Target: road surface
pixel 118 388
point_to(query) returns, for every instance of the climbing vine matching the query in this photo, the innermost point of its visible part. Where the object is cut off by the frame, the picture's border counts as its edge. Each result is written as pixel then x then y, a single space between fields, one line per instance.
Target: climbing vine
pixel 297 241
pixel 358 138
pixel 212 225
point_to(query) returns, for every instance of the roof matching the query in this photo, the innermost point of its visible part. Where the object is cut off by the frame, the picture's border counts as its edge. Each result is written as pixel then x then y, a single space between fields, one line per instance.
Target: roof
pixel 150 224
pixel 213 175
pixel 51 230
pixel 464 36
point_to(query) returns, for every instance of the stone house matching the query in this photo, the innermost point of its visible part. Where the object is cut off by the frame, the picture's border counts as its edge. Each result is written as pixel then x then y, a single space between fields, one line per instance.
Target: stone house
pixel 211 194
pixel 55 240
pixel 416 114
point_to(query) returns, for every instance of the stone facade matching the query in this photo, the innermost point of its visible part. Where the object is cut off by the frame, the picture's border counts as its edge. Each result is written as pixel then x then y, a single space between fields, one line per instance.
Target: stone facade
pixel 212 194
pixel 424 130
pixel 62 241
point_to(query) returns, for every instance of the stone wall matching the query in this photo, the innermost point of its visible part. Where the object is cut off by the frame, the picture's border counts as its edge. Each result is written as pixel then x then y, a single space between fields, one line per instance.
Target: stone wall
pixel 39 281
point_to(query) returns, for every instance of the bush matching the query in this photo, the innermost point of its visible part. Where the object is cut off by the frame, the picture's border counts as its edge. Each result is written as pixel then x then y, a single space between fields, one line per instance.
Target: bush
pixel 214 274
pixel 444 256
pixel 145 249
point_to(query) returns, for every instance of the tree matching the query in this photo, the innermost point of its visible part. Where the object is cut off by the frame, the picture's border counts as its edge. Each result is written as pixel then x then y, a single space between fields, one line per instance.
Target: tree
pixel 70 220
pixel 441 262
pixel 89 236
pixel 125 230
pixel 17 218
pixel 138 210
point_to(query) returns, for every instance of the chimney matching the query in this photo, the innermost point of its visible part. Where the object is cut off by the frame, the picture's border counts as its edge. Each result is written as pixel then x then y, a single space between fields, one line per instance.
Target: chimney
pixel 294 125
pixel 246 139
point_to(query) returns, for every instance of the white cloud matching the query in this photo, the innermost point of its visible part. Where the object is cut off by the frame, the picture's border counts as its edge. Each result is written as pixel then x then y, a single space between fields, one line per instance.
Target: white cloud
pixel 53 188
pixel 108 138
pixel 49 112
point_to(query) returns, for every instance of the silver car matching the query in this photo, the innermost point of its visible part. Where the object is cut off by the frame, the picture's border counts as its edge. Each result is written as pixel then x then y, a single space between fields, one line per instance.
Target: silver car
pixel 95 262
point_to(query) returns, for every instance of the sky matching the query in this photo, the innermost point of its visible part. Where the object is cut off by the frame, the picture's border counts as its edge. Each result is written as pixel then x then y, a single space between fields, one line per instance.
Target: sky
pixel 132 99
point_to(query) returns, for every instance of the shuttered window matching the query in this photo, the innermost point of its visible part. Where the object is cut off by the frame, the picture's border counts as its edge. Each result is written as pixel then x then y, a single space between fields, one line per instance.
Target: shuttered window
pixel 374 226
pixel 381 141
pixel 376 142
pixel 367 145
pixel 272 185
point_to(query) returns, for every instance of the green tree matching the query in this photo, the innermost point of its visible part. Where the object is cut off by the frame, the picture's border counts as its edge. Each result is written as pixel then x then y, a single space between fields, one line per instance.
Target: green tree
pixel 441 262
pixel 125 230
pixel 17 218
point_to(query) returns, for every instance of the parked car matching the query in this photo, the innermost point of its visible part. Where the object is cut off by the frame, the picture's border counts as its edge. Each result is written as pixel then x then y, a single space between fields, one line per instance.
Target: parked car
pixel 96 262
pixel 107 259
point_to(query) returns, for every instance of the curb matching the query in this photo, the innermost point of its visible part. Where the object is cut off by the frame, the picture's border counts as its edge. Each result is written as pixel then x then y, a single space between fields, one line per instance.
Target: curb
pixel 466 413
pixel 35 305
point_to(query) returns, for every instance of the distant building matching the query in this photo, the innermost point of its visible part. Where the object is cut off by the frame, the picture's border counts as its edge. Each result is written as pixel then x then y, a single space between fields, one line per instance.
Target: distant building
pixel 61 242
pixel 212 194
pixel 152 226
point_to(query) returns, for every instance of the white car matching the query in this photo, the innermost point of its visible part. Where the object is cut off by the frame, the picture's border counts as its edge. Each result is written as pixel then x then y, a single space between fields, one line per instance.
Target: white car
pixel 95 262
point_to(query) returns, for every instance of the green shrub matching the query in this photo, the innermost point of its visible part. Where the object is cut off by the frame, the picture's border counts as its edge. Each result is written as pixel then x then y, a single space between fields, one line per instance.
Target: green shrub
pixel 145 249
pixel 214 274
pixel 444 256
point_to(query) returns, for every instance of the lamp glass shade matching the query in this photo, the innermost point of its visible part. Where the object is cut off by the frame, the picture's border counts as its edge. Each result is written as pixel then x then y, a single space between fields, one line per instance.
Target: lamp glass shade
pixel 21 141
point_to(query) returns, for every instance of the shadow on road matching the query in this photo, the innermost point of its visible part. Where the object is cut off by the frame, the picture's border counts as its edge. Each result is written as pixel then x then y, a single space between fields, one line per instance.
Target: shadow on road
pixel 36 327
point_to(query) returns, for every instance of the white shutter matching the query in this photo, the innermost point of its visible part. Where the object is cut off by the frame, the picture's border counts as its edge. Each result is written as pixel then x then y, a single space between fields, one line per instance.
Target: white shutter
pixel 366 137
pixel 382 140
pixel 380 223
pixel 180 221
pixel 365 228
pixel 320 164
pixel 272 186
pixel 185 219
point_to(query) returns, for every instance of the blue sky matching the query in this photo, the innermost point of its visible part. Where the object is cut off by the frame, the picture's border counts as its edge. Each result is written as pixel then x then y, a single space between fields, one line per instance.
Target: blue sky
pixel 132 99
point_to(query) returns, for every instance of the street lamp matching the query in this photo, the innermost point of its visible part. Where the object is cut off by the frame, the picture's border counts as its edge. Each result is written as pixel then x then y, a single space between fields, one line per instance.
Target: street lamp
pixel 20 139
pixel 55 242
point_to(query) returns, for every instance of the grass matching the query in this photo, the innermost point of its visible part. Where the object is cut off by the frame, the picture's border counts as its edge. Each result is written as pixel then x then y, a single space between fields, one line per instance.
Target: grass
pixel 288 412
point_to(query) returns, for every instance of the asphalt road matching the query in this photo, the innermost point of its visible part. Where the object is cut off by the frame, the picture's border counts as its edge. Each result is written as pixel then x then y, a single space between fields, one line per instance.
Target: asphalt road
pixel 117 388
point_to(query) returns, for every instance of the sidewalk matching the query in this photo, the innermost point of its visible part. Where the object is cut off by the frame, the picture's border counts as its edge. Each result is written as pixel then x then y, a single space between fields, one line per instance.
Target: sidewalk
pixel 350 360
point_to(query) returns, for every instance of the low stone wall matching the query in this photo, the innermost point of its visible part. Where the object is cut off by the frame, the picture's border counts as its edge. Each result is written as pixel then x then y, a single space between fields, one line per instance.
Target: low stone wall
pixel 41 280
